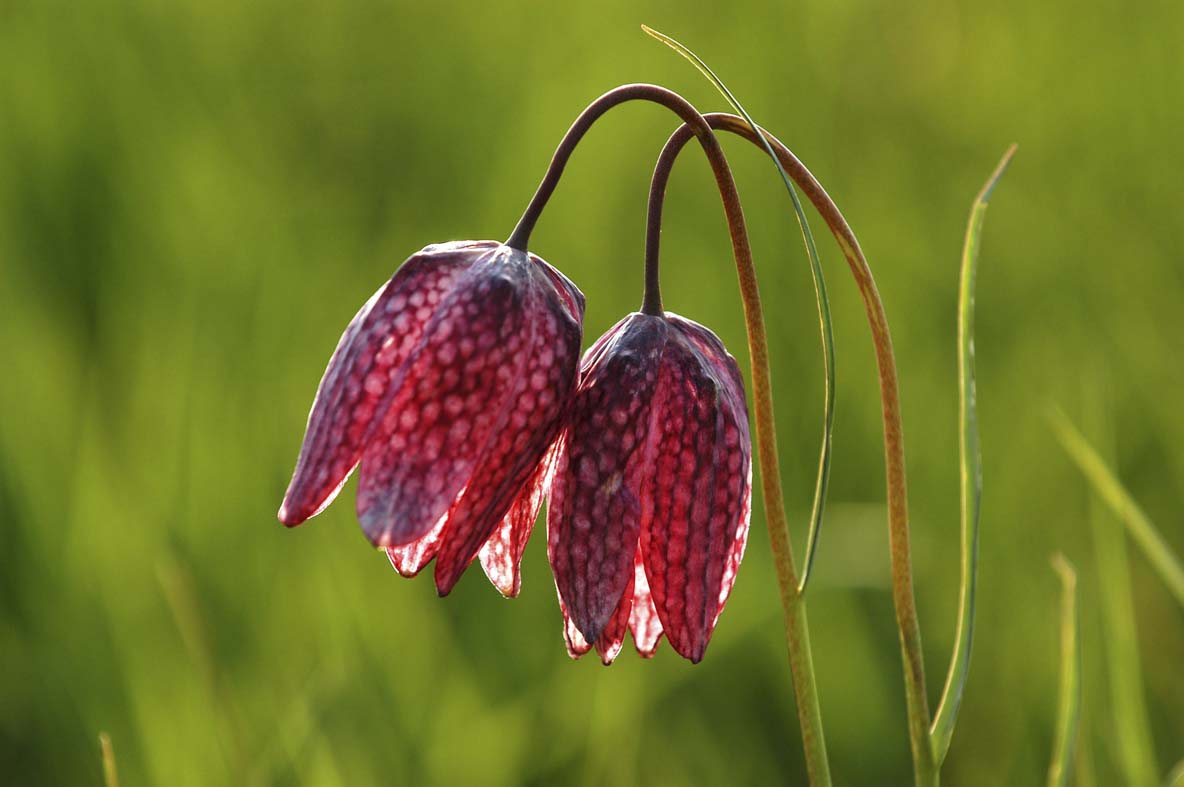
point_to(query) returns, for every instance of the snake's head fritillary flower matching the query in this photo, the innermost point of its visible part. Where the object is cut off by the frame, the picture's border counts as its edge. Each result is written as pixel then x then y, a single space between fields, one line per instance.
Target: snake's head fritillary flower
pixel 650 503
pixel 449 388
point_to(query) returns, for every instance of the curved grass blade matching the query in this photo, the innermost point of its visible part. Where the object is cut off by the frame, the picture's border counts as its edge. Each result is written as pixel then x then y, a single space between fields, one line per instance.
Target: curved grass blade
pixel 1107 486
pixel 1176 777
pixel 110 774
pixel 820 295
pixel 971 472
pixel 1069 704
pixel 1129 730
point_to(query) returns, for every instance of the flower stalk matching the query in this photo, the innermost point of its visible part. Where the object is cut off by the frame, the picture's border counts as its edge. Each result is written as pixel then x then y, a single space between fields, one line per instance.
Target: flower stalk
pixel 520 237
pixel 897 488
pixel 793 605
pixel 929 746
pixel 924 764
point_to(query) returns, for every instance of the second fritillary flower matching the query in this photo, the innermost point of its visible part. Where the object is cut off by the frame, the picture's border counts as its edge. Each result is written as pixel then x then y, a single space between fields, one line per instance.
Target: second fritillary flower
pixel 650 504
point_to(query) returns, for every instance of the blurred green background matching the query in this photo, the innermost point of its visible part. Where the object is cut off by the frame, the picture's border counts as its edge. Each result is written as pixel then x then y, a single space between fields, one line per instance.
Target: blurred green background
pixel 195 198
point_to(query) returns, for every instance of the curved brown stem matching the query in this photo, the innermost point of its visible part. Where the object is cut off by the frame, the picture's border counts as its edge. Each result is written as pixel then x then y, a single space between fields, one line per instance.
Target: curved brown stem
pixel 897 496
pixel 793 605
pixel 694 123
pixel 520 237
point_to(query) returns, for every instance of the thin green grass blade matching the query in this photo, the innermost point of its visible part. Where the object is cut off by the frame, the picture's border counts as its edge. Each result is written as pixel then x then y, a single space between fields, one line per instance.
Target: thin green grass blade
pixel 820 295
pixel 1107 486
pixel 1069 704
pixel 1176 777
pixel 110 774
pixel 971 473
pixel 1126 719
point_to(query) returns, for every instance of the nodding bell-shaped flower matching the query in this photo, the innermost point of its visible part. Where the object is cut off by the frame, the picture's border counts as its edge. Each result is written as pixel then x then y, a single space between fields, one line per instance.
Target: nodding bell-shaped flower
pixel 650 504
pixel 449 387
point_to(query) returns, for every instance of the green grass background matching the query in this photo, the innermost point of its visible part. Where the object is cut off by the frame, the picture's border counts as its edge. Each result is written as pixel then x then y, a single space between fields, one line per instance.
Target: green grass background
pixel 195 198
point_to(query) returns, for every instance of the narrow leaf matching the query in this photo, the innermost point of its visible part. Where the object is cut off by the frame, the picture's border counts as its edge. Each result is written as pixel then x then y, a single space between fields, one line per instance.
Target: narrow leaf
pixel 1069 704
pixel 1129 722
pixel 820 294
pixel 1107 486
pixel 971 472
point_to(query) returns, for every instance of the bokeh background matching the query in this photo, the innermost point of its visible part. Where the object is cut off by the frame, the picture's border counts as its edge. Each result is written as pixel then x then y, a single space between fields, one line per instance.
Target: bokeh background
pixel 195 198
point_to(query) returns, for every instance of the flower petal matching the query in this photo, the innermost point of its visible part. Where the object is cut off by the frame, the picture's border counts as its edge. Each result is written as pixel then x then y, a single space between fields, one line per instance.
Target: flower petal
pixel 732 385
pixel 410 559
pixel 694 499
pixel 543 387
pixel 736 554
pixel 635 612
pixel 453 398
pixel 608 645
pixel 643 616
pixel 576 644
pixel 570 299
pixel 357 381
pixel 594 516
pixel 501 555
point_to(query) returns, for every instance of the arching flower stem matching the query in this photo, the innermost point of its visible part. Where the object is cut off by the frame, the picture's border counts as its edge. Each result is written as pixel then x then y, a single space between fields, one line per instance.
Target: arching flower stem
pixel 924 764
pixel 520 237
pixel 792 601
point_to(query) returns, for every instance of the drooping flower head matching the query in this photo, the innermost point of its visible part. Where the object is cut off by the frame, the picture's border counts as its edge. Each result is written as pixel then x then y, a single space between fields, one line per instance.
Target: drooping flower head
pixel 650 504
pixel 449 388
